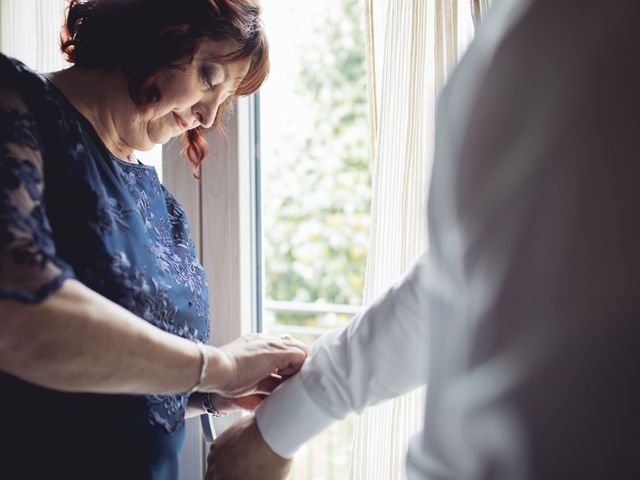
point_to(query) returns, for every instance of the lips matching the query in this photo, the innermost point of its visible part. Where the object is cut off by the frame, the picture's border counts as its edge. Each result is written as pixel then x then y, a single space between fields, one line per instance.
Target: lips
pixel 181 123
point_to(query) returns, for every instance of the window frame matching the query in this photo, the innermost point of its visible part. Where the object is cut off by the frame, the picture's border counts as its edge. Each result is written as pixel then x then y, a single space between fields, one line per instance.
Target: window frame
pixel 224 216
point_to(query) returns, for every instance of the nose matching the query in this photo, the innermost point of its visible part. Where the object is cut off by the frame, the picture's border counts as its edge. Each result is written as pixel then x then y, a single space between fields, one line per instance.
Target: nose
pixel 205 113
pixel 207 108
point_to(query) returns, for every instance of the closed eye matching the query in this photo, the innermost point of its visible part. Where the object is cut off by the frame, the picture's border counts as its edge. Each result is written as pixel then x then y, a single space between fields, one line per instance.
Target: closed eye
pixel 206 77
pixel 212 75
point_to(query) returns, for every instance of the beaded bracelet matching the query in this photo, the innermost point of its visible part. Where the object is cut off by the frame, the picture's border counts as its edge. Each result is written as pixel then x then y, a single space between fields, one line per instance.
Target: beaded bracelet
pixel 204 365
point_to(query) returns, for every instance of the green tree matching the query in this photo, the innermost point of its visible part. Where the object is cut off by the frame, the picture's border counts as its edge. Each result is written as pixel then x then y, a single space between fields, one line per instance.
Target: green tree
pixel 318 198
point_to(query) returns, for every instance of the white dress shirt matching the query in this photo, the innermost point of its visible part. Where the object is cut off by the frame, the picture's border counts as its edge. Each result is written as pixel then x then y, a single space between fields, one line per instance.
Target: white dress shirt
pixel 524 316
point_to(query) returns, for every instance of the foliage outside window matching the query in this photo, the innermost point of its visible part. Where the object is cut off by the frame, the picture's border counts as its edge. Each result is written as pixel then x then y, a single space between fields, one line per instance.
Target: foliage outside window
pixel 315 184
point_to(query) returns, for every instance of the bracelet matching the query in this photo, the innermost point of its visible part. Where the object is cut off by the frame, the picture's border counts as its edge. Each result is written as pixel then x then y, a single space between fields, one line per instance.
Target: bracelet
pixel 204 365
pixel 207 404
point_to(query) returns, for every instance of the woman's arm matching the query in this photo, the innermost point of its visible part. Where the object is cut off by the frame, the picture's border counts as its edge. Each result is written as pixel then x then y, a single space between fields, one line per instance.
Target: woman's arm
pixel 77 340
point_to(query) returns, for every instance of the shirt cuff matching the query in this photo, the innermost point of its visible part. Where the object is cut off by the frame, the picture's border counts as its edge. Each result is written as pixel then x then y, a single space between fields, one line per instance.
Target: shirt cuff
pixel 288 418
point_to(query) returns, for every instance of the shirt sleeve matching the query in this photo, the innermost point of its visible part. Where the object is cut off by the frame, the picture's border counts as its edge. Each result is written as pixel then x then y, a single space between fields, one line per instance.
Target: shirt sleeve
pixel 29 267
pixel 381 354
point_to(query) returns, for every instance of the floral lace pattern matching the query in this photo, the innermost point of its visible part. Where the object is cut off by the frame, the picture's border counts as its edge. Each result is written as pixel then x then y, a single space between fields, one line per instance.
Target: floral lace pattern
pixel 68 208
pixel 25 234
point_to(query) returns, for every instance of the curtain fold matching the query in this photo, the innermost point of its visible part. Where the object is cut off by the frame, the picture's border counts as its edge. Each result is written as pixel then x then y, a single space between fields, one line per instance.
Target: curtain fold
pixel 412 45
pixel 30 32
pixel 479 9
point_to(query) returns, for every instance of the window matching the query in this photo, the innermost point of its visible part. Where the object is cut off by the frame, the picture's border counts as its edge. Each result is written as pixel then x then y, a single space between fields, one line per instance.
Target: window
pixel 315 186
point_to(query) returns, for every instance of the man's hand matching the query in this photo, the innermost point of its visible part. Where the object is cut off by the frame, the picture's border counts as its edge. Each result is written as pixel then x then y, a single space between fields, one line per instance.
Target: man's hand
pixel 240 453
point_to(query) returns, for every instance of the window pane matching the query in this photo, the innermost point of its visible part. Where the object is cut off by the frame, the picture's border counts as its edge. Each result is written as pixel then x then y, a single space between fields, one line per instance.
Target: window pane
pixel 315 164
pixel 315 186
pixel 152 157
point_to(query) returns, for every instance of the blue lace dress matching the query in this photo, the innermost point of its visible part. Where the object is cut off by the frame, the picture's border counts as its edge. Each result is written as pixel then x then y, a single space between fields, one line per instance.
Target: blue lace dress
pixel 70 209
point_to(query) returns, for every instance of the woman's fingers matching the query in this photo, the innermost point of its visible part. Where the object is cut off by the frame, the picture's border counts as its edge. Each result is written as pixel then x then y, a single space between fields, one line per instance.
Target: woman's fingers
pixel 292 363
pixel 292 342
pixel 269 384
pixel 249 402
pixel 251 360
pixel 289 370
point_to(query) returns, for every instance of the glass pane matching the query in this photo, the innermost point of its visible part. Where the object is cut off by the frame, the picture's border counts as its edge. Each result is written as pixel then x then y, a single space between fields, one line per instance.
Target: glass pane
pixel 315 186
pixel 315 163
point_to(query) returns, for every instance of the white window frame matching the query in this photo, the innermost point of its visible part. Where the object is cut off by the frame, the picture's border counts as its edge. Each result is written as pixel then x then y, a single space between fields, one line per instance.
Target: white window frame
pixel 221 209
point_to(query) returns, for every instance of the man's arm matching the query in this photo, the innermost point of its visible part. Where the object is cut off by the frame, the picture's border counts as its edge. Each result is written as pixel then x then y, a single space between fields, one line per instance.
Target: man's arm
pixel 381 354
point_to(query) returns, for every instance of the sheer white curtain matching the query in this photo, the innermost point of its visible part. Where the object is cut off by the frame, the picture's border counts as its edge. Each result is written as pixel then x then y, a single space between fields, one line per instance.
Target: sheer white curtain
pixel 30 32
pixel 412 46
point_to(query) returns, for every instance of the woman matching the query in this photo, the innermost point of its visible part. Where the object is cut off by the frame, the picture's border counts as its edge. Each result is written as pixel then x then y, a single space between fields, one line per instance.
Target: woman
pixel 103 304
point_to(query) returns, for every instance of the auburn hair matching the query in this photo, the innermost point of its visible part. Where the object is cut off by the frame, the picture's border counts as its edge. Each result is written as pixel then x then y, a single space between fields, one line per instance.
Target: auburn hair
pixel 143 37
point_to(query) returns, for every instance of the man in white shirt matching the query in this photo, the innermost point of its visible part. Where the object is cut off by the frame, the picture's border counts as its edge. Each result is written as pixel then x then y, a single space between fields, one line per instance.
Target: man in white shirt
pixel 524 316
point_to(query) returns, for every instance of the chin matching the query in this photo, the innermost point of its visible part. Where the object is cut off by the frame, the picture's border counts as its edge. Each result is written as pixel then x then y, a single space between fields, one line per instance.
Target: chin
pixel 161 140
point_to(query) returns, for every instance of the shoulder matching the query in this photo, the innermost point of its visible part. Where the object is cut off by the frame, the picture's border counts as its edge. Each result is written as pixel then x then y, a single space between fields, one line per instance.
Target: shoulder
pixel 13 71
pixel 20 85
pixel 20 139
pixel 10 69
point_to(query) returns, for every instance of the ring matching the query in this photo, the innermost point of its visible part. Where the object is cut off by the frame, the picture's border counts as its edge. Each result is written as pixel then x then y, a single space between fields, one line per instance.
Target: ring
pixel 285 336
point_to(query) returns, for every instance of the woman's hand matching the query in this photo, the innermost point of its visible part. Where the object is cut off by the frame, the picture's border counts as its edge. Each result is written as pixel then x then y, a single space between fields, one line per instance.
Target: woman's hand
pixel 255 364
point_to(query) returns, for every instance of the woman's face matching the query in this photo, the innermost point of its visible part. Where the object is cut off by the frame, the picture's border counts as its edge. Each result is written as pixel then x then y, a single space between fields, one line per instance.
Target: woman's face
pixel 190 96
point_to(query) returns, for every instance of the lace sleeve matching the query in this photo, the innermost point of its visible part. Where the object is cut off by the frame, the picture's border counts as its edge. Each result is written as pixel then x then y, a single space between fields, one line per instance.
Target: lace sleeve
pixel 29 267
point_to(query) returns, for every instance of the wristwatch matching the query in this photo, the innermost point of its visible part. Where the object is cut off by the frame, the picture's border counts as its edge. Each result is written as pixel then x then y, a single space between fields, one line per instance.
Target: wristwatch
pixel 209 408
